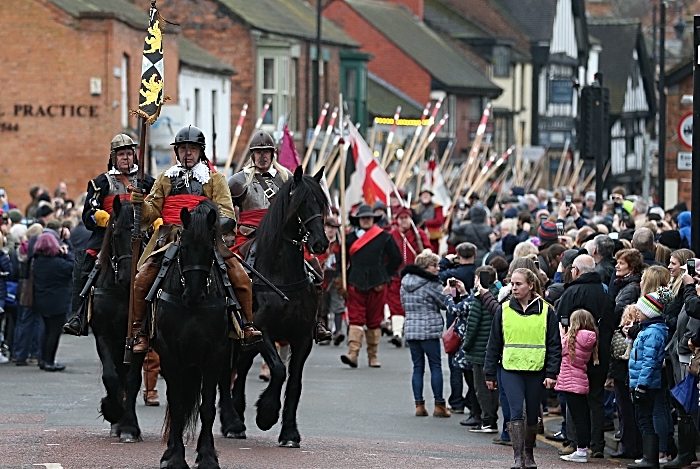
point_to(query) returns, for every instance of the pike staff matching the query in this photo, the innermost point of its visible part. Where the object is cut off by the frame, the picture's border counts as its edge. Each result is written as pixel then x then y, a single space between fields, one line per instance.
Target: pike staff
pixel 258 124
pixel 317 131
pixel 390 137
pixel 236 135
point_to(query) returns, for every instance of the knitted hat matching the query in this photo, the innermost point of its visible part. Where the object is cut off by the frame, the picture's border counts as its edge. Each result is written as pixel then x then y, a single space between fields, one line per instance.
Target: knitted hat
pixel 671 239
pixel 511 213
pixel 403 212
pixel 650 305
pixel 547 232
pixel 44 210
pixel 15 216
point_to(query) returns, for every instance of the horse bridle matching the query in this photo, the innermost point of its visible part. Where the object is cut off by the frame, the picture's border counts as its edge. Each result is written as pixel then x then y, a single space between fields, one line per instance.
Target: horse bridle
pixel 114 260
pixel 195 267
pixel 303 231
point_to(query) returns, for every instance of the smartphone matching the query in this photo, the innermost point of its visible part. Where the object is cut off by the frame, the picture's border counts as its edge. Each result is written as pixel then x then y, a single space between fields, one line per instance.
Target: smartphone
pixel 614 235
pixel 568 201
pixel 537 263
pixel 560 229
pixel 691 267
pixel 484 279
pixel 543 218
pixel 453 287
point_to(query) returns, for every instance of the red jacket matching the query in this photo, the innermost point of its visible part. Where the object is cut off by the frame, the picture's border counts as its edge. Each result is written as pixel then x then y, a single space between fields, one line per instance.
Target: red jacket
pixel 408 246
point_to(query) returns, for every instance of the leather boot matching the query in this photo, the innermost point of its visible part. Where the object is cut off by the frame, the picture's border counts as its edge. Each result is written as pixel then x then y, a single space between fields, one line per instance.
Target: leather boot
pixel 516 430
pixel 244 294
pixel 441 410
pixel 373 336
pixel 530 438
pixel 77 325
pixel 355 334
pixel 420 409
pixel 397 329
pixel 686 444
pixel 650 453
pixel 142 285
pixel 151 368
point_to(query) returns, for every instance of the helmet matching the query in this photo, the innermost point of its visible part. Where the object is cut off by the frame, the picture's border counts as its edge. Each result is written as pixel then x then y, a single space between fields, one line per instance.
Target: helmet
pixel 190 134
pixel 262 141
pixel 121 141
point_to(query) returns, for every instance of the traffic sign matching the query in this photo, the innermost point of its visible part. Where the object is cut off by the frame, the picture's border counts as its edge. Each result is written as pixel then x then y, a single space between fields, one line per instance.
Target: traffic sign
pixel 685 130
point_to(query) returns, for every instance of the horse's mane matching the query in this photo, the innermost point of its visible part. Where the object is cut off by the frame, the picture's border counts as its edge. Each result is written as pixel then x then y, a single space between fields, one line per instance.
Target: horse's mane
pixel 198 224
pixel 125 222
pixel 288 200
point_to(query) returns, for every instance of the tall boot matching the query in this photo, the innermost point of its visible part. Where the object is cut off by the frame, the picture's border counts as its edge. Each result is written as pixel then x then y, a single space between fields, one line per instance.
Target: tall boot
pixel 151 368
pixel 373 336
pixel 142 284
pixel 686 444
pixel 528 456
pixel 650 453
pixel 243 290
pixel 78 323
pixel 397 329
pixel 355 334
pixel 516 430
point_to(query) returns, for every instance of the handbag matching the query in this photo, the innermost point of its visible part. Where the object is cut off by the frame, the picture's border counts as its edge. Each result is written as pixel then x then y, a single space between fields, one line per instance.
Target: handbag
pixel 694 367
pixel 26 288
pixel 686 393
pixel 11 297
pixel 618 346
pixel 451 339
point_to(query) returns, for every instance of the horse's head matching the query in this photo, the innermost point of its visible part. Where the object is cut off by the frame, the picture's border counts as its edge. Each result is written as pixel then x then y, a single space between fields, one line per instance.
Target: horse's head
pixel 118 237
pixel 311 206
pixel 197 244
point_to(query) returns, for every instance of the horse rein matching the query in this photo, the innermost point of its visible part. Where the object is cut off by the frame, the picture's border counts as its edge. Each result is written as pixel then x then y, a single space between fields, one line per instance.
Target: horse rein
pixel 303 231
pixel 114 260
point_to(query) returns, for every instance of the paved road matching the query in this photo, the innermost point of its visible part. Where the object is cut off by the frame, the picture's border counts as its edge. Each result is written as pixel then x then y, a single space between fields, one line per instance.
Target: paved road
pixel 359 418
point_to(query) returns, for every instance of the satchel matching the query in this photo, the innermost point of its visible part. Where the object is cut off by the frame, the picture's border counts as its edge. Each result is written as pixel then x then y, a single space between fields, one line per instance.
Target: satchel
pixel 686 393
pixel 694 367
pixel 618 346
pixel 451 339
pixel 26 288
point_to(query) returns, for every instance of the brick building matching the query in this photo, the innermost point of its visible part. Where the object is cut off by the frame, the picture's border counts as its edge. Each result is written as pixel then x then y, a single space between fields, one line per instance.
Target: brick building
pixel 679 135
pixel 64 68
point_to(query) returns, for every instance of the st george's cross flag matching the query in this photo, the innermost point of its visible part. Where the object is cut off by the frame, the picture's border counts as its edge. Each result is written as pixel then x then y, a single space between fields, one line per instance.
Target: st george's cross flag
pixel 151 96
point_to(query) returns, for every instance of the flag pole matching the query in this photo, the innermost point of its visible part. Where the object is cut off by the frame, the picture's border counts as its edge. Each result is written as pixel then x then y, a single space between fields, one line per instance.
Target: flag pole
pixel 234 142
pixel 317 131
pixel 343 213
pixel 258 124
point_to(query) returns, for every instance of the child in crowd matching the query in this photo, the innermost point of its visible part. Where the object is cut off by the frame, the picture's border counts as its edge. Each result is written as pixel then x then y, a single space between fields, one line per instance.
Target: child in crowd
pixel 578 343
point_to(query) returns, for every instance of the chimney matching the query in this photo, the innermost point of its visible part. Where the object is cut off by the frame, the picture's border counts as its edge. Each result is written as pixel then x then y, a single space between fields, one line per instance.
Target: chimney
pixel 415 6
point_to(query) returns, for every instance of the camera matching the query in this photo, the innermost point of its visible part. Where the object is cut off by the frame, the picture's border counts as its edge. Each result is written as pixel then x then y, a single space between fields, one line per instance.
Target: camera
pixel 568 201
pixel 560 229
pixel 452 282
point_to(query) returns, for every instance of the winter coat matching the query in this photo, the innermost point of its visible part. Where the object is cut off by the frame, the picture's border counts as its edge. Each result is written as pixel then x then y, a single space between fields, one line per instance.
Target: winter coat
pixel 52 285
pixel 460 310
pixel 478 331
pixel 628 292
pixel 476 232
pixel 422 299
pixel 684 226
pixel 463 272
pixel 647 355
pixel 605 268
pixel 5 273
pixel 494 349
pixel 572 376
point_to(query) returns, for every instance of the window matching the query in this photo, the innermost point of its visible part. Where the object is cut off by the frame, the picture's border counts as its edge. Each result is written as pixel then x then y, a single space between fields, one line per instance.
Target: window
pixel 124 91
pixel 277 82
pixel 501 61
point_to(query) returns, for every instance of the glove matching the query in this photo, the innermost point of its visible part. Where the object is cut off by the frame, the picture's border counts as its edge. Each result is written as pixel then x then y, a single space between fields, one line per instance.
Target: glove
pixel 639 394
pixel 101 218
pixel 157 224
pixel 136 197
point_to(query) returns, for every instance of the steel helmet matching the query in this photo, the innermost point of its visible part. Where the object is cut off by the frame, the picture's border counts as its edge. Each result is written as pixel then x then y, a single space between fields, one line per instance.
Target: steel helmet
pixel 190 134
pixel 121 141
pixel 262 141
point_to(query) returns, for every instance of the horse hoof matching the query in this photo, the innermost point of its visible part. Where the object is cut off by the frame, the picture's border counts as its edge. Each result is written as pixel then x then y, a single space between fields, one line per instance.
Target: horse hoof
pixel 114 430
pixel 236 435
pixel 128 438
pixel 289 444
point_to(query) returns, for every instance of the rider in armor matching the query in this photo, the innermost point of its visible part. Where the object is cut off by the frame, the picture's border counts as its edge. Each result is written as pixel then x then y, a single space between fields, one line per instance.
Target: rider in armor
pixel 254 188
pixel 185 185
pixel 118 181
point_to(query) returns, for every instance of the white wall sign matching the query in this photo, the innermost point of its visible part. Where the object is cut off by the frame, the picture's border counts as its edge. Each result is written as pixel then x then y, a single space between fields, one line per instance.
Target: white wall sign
pixel 685 161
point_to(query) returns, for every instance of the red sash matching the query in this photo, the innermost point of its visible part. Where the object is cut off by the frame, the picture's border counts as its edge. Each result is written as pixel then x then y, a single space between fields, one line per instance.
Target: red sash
pixel 365 239
pixel 108 202
pixel 252 217
pixel 173 205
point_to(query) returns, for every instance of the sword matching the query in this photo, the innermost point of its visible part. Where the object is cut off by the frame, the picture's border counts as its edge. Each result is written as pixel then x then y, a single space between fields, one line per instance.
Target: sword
pixel 261 277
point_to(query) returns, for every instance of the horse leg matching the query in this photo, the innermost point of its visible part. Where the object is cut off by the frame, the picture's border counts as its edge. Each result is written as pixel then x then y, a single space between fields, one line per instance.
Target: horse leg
pixel 206 453
pixel 237 428
pixel 129 424
pixel 174 455
pixel 269 403
pixel 289 435
pixel 111 406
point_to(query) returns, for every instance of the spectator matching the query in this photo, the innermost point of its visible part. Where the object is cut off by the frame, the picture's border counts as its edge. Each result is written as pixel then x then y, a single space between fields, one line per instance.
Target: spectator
pixel 602 253
pixel 526 319
pixel 684 228
pixel 663 254
pixel 422 300
pixel 643 241
pixel 52 273
pixel 579 344
pixel 475 231
pixel 676 267
pixel 628 273
pixel 523 249
pixel 589 206
pixel 460 266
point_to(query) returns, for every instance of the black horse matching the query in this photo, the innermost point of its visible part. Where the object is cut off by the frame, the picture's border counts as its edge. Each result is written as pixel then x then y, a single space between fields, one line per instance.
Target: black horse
pixel 294 220
pixel 110 309
pixel 191 336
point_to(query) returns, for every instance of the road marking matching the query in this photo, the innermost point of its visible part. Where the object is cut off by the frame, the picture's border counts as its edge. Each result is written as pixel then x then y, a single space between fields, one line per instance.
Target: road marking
pixel 306 451
pixel 50 430
pixel 371 454
pixel 437 459
pixel 53 444
pixel 117 443
pixel 245 448
pixel 50 465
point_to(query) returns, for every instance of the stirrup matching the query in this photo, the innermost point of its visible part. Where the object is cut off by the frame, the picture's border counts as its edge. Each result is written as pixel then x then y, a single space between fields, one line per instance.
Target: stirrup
pixel 252 339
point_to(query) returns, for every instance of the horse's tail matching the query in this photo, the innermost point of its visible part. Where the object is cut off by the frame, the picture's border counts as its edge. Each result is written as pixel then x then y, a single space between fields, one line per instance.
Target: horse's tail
pixel 191 395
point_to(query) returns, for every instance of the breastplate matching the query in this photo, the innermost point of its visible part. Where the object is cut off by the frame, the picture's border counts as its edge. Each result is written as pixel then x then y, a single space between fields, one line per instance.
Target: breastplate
pixel 117 187
pixel 255 198
pixel 182 185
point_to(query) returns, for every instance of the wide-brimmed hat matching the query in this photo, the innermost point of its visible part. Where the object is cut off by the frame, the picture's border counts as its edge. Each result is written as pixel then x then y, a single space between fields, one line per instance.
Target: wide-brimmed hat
pixel 332 221
pixel 363 211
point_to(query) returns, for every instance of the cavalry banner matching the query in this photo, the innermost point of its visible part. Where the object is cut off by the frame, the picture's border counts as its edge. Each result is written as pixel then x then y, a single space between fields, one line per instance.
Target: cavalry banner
pixel 151 95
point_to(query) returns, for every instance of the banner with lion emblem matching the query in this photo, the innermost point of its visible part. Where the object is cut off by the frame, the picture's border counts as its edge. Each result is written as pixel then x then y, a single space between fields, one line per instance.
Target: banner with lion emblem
pixel 151 96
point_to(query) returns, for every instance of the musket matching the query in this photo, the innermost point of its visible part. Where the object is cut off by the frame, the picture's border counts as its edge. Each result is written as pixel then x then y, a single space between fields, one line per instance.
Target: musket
pixel 261 277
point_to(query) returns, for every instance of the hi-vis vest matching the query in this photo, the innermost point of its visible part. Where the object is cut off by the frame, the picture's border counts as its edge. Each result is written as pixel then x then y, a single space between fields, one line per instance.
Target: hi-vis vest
pixel 524 339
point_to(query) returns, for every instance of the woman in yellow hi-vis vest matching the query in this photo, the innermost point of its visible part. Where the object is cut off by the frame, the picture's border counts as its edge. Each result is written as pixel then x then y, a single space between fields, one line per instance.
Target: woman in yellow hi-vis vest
pixel 525 343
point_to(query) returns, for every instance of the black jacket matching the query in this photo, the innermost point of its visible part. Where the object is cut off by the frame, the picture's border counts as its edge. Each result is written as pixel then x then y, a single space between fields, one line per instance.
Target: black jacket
pixel 494 350
pixel 102 184
pixel 628 291
pixel 606 269
pixel 463 272
pixel 649 259
pixel 375 263
pixel 52 285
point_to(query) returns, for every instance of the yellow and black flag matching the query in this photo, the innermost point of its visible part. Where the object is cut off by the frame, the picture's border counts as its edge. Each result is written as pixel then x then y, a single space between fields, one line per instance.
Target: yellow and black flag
pixel 151 95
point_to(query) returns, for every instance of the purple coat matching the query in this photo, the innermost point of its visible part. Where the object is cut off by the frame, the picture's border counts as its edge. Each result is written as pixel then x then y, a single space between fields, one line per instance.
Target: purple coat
pixel 572 376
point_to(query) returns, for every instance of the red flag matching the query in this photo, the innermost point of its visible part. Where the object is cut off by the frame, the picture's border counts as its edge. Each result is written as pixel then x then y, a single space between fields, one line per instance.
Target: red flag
pixel 289 158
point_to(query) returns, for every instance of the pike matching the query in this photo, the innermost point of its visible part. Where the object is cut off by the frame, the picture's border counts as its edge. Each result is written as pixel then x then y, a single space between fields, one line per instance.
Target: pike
pixel 234 142
pixel 390 137
pixel 407 154
pixel 574 177
pixel 426 144
pixel 329 131
pixel 416 153
pixel 317 131
pixel 488 170
pixel 343 213
pixel 258 124
pixel 447 154
pixel 564 154
pixel 474 152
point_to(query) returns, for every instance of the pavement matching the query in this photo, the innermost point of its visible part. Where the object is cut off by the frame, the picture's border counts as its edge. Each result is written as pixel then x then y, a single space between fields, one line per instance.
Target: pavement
pixel 348 418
